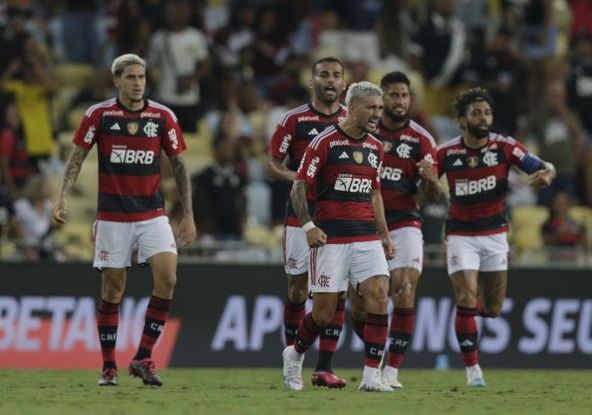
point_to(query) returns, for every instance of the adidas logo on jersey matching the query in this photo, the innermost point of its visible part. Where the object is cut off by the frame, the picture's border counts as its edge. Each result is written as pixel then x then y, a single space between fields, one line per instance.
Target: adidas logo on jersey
pixel 115 127
pixel 344 155
pixel 313 132
pixel 458 162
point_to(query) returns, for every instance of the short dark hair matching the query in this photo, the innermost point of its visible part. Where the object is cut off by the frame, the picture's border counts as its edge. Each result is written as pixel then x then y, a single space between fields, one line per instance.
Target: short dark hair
pixel 395 77
pixel 467 97
pixel 326 59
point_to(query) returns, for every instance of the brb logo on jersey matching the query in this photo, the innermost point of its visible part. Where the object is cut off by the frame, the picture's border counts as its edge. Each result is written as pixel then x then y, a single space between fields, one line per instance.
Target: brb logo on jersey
pixel 466 187
pixel 122 155
pixel 348 183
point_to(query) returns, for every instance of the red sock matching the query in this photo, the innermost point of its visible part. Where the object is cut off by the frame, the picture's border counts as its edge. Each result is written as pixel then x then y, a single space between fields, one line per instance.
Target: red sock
pixel 330 334
pixel 402 324
pixel 293 314
pixel 157 314
pixel 358 327
pixel 466 333
pixel 308 331
pixel 375 335
pixel 107 323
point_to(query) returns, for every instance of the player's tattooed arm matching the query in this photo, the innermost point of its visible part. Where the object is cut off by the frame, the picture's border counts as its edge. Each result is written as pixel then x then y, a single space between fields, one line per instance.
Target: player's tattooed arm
pixel 298 198
pixel 187 229
pixel 183 181
pixel 73 169
pixel 59 209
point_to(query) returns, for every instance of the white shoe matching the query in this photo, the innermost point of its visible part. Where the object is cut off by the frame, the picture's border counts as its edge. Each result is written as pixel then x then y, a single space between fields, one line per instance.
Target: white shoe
pixel 389 377
pixel 292 371
pixel 475 377
pixel 374 384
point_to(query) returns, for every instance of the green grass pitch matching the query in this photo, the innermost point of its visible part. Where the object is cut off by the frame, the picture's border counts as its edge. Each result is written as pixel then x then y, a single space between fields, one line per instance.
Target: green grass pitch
pixel 261 392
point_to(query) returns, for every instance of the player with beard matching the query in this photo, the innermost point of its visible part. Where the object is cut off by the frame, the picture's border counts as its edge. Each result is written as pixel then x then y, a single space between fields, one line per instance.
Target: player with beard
pixel 294 132
pixel 476 165
pixel 409 156
pixel 349 238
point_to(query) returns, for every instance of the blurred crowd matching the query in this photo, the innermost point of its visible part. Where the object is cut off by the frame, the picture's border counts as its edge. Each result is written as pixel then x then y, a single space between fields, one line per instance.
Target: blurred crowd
pixel 230 68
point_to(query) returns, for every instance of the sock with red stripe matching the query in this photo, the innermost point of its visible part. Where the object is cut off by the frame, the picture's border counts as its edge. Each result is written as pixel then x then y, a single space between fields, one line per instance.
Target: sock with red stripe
pixel 329 338
pixel 157 314
pixel 402 324
pixel 293 314
pixel 375 335
pixel 107 323
pixel 466 333
pixel 308 331
pixel 358 327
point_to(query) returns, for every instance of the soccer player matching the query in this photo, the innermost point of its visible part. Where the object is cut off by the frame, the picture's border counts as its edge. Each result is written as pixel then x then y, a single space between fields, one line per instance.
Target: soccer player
pixel 409 156
pixel 294 132
pixel 349 238
pixel 476 165
pixel 130 132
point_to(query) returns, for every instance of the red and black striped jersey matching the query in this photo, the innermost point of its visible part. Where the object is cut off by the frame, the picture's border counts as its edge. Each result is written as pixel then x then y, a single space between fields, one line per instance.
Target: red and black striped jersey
pixel 293 134
pixel 129 147
pixel 478 182
pixel 403 149
pixel 344 172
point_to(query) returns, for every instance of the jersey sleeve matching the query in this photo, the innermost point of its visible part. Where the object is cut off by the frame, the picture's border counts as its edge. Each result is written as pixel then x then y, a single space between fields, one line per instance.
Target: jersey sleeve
pixel 173 141
pixel 429 153
pixel 312 162
pixel 88 131
pixel 440 161
pixel 376 183
pixel 281 140
pixel 522 158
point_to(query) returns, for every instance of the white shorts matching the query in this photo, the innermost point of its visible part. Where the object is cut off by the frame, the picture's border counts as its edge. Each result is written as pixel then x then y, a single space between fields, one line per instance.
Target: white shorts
pixel 333 266
pixel 115 241
pixel 483 253
pixel 409 244
pixel 296 251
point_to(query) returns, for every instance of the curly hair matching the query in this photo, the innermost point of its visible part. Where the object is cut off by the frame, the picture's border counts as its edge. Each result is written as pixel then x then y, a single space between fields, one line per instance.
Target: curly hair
pixel 466 98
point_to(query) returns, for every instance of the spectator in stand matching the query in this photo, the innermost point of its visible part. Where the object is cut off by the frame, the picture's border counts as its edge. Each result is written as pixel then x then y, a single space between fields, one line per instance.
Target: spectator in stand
pixel 438 52
pixel 179 52
pixel 14 227
pixel 81 31
pixel 579 98
pixel 561 229
pixel 560 137
pixel 496 68
pixel 34 213
pixel 33 85
pixel 269 50
pixel 581 16
pixel 539 39
pixel 363 38
pixel 14 160
pixel 231 41
pixel 219 190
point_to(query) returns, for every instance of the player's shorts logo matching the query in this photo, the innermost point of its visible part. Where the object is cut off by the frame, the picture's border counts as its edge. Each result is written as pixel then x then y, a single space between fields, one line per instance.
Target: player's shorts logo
pixel 133 127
